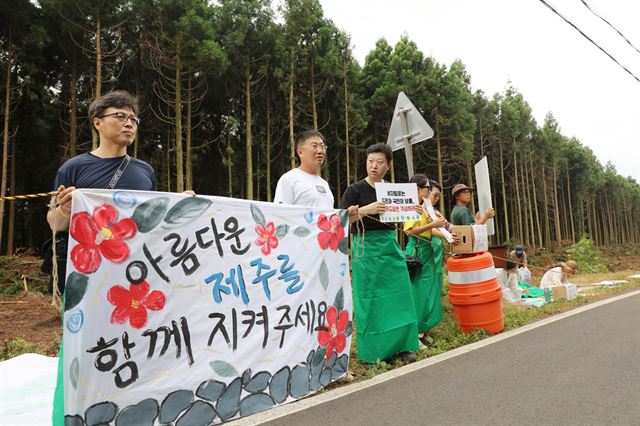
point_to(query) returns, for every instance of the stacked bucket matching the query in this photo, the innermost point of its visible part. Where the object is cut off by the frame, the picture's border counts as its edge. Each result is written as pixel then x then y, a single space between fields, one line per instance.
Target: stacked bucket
pixel 474 293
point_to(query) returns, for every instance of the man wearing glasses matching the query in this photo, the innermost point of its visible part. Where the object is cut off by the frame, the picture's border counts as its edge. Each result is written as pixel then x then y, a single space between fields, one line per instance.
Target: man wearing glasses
pixel 461 215
pixel 303 185
pixel 115 117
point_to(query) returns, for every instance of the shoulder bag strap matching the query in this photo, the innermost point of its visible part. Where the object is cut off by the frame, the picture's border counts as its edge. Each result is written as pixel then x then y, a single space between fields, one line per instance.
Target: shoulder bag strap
pixel 118 174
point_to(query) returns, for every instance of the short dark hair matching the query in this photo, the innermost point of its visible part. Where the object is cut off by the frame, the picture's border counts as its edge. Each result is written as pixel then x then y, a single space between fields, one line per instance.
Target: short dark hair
pixel 307 134
pixel 421 180
pixel 383 148
pixel 435 184
pixel 115 99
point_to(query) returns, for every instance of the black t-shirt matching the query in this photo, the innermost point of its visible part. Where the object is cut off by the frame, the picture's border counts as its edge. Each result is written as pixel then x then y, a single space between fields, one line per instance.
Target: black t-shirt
pixel 88 171
pixel 361 193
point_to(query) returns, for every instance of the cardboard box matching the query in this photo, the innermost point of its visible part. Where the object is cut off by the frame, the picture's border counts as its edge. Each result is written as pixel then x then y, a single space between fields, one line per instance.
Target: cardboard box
pixel 473 239
pixel 568 291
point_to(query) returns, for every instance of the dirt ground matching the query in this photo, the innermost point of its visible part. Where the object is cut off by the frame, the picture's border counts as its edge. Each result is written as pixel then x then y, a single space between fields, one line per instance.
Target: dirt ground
pixel 31 316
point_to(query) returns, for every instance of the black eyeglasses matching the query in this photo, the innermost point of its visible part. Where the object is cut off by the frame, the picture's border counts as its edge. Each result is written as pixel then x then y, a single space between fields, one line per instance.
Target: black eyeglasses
pixel 123 117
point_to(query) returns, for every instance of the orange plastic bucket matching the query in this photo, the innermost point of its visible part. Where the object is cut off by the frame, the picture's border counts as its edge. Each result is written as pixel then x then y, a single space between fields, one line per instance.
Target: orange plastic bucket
pixel 474 293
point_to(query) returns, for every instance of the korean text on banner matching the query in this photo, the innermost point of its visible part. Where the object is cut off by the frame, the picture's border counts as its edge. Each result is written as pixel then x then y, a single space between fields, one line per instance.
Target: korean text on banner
pixel 200 308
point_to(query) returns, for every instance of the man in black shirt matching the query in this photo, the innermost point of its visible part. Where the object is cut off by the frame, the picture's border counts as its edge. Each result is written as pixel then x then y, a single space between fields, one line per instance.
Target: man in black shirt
pixel 115 117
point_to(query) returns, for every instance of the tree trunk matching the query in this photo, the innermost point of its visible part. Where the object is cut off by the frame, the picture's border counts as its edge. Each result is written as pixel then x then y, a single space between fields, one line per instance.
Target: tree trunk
pixel 547 226
pixel 555 202
pixel 438 153
pixel 504 194
pixel 168 160
pixel 229 169
pixel 292 142
pixel 470 184
pixel 73 111
pixel 607 219
pixel 518 203
pixel 346 123
pixel 481 139
pixel 531 237
pixel 98 37
pixel 535 201
pixel 268 153
pixel 573 228
pixel 5 137
pixel 248 140
pixel 587 209
pixel 178 117
pixel 12 205
pixel 314 108
pixel 189 167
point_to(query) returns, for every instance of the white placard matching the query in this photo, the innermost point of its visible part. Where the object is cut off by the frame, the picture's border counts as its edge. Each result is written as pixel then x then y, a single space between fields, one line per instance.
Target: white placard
pixel 431 212
pixel 480 241
pixel 483 188
pixel 400 199
pixel 200 308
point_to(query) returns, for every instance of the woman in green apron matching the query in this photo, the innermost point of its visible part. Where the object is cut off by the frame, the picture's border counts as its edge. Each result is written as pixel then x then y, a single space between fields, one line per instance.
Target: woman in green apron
pixel 437 246
pixel 385 318
pixel 425 287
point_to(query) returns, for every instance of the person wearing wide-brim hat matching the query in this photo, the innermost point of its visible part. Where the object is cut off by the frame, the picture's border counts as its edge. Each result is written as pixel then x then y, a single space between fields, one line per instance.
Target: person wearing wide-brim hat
pixel 559 275
pixel 461 215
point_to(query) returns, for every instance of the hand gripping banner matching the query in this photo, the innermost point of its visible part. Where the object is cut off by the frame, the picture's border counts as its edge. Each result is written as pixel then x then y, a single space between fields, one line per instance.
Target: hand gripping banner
pixel 199 310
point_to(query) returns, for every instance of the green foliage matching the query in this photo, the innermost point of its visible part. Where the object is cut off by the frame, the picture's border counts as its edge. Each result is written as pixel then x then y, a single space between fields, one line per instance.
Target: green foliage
pixel 18 346
pixel 13 268
pixel 589 258
pixel 233 64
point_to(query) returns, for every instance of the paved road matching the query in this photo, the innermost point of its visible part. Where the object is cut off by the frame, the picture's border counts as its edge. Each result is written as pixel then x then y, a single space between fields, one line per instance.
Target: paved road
pixel 581 370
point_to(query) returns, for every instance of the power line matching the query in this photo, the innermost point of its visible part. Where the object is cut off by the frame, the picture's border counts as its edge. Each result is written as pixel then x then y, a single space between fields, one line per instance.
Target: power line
pixel 608 23
pixel 589 38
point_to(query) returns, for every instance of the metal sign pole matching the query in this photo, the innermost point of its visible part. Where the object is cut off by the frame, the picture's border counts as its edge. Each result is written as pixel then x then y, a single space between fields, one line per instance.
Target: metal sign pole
pixel 408 127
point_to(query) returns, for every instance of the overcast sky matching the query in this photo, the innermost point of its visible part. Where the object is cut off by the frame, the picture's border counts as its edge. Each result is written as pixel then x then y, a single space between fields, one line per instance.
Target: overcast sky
pixel 522 41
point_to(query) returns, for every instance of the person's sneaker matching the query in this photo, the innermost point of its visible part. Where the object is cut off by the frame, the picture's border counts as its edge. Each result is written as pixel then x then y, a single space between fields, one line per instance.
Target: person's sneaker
pixel 408 357
pixel 426 340
pixel 348 378
pixel 421 346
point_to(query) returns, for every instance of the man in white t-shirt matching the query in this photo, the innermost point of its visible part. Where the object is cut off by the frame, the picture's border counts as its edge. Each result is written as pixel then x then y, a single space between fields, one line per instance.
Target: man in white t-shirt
pixel 303 185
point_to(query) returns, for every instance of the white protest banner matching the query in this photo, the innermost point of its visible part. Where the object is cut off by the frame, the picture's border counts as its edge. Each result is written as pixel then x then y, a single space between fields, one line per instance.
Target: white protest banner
pixel 199 310
pixel 400 198
pixel 483 186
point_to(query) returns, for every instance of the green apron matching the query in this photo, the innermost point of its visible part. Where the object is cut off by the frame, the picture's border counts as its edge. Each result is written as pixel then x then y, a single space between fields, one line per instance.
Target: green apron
pixel 58 395
pixel 425 286
pixel 382 303
pixel 438 252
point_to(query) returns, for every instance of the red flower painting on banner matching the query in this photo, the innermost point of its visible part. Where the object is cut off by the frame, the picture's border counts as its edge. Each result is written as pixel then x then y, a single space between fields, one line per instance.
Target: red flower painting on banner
pixel 332 233
pixel 333 337
pixel 266 237
pixel 132 304
pixel 100 235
